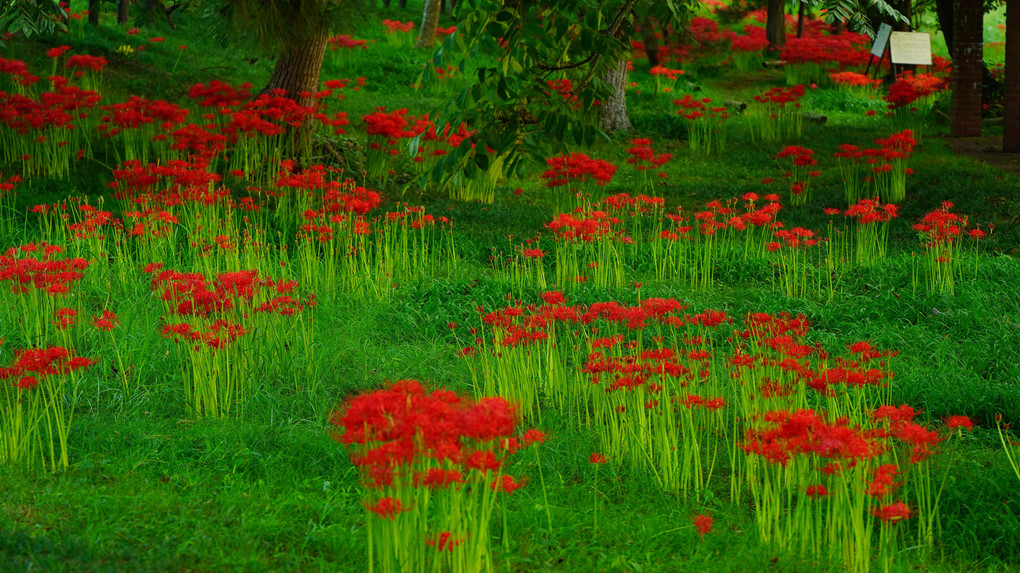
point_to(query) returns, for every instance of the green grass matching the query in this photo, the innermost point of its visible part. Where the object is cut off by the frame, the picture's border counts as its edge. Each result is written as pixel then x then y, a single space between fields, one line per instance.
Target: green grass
pixel 151 490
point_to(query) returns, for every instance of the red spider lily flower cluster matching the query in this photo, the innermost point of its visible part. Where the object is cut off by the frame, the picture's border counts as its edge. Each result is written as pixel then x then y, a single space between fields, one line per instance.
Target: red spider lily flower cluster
pixel 396 26
pixel 703 524
pixel 841 50
pixel 672 75
pixel 795 238
pixel 752 40
pixel 899 423
pixel 801 161
pixel 82 62
pixel 579 169
pixel 395 433
pixel 851 79
pixel 871 211
pixel 632 205
pixel 806 433
pixel 643 157
pixel 584 226
pixel 941 228
pixel 37 413
pixel 909 88
pixel 32 364
pixel 345 42
pixel 776 115
pixel 780 97
pixel 435 454
pixel 704 123
pixel 698 109
pixel 886 167
pixel 35 266
pixel 219 94
pixel 192 294
pixel 58 51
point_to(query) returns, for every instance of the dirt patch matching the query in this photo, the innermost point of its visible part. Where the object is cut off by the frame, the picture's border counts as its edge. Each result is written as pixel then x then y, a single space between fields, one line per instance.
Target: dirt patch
pixel 987 150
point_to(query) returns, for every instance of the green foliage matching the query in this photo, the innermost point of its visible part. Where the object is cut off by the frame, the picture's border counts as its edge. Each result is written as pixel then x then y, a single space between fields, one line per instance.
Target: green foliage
pixel 277 24
pixel 542 92
pixel 854 12
pixel 31 17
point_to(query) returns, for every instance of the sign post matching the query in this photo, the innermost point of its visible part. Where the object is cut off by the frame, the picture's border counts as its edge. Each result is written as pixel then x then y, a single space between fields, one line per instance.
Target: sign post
pixel 912 48
pixel 878 47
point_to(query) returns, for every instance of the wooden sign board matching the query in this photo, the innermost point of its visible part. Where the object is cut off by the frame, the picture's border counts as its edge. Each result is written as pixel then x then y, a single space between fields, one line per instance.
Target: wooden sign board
pixel 910 48
pixel 881 39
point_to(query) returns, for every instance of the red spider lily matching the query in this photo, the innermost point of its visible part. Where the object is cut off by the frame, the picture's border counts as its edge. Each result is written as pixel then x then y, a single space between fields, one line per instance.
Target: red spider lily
pixel 55 53
pixel 780 97
pixel 664 71
pixel 534 436
pixel 505 484
pixel 753 40
pixel 642 157
pixel 399 427
pixel 65 318
pixel 870 211
pixel 387 508
pixel 219 95
pixel 395 26
pixel 703 523
pixel 585 227
pixel 817 491
pixel 883 484
pixel 40 362
pixel 909 88
pixel 85 62
pixel 48 274
pixel 853 79
pixel 893 512
pixel 843 50
pixel 955 422
pixel 345 42
pixel 577 168
pixel 444 541
pixel 107 321
pixel 597 459
pixel 941 227
pixel 805 433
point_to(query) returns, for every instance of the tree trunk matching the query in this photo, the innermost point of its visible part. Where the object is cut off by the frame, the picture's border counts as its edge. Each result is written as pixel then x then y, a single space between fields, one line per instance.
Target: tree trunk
pixel 296 72
pixel 614 111
pixel 775 24
pixel 944 12
pixel 123 12
pixel 968 64
pixel 1011 129
pixel 650 41
pixel 298 67
pixel 94 12
pixel 801 14
pixel 429 23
